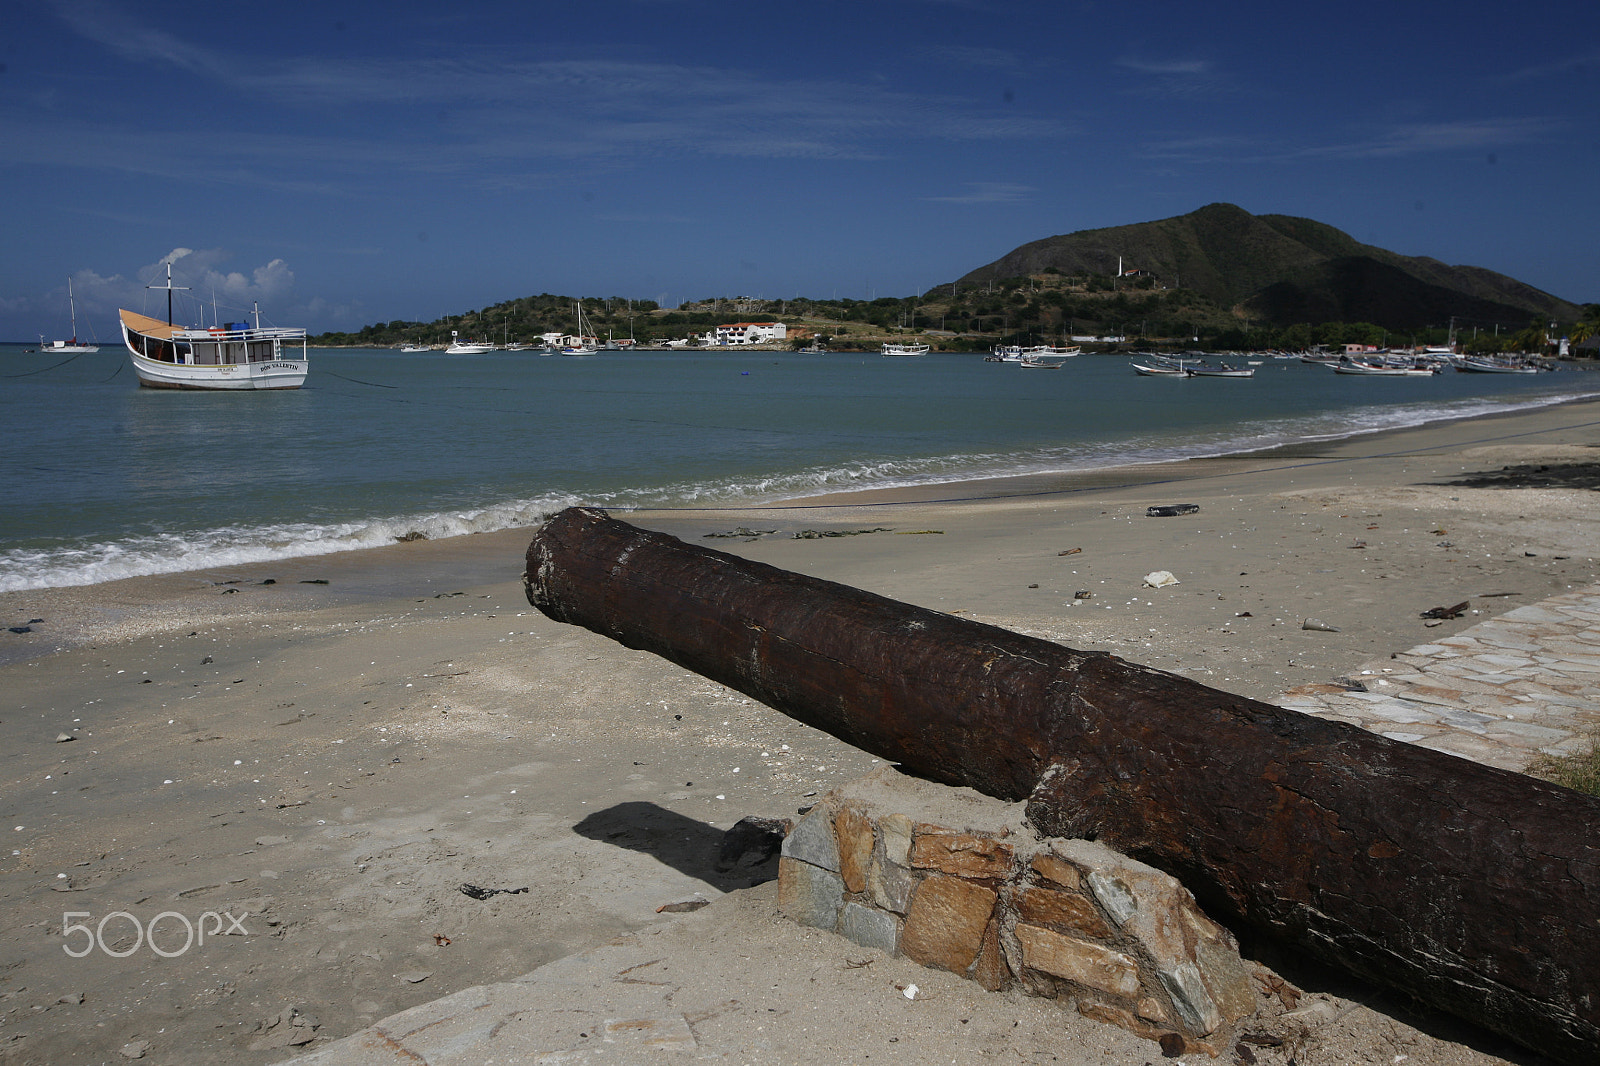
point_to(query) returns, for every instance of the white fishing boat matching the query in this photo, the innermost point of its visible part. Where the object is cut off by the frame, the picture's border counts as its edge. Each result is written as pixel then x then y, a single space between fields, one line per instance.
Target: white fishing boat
pixel 1371 370
pixel 1052 349
pixel 1217 371
pixel 1383 370
pixel 1156 368
pixel 74 346
pixel 905 349
pixel 461 347
pixel 417 347
pixel 239 356
pixel 1490 366
pixel 1036 362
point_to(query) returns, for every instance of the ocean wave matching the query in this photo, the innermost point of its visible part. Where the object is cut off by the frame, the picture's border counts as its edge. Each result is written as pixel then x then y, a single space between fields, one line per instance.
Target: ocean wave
pixel 170 553
pixel 91 563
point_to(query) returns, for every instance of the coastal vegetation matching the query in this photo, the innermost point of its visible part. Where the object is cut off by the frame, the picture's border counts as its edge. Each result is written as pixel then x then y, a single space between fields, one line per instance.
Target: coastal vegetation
pixel 1217 278
pixel 1579 770
pixel 1028 309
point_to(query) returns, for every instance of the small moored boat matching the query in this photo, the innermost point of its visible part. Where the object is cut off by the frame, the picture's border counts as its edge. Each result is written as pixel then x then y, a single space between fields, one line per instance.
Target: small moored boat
pixel 1219 371
pixel 74 346
pixel 467 347
pixel 1155 368
pixel 1382 370
pixel 1490 366
pixel 905 349
pixel 237 357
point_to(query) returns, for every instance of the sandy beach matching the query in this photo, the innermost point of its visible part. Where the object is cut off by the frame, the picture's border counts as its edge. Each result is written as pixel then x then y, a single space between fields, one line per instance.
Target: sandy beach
pixel 333 746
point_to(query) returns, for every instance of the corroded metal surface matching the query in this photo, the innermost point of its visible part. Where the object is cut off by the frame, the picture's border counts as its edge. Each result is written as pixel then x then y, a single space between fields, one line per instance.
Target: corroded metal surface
pixel 1474 889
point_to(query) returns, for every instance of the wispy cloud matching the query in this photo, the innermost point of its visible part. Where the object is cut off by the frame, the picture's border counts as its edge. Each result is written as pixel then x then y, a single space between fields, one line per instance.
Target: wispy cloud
pixel 987 192
pixel 1426 138
pixel 1392 142
pixel 1173 77
pixel 112 27
pixel 1170 67
pixel 966 56
pixel 465 112
pixel 1552 68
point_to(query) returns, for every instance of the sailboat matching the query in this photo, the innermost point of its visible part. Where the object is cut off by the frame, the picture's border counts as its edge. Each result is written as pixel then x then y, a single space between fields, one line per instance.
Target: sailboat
pixel 72 346
pixel 586 344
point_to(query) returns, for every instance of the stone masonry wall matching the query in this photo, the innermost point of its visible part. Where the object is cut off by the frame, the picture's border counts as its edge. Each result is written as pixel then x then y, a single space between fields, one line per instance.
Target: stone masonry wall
pixel 1069 919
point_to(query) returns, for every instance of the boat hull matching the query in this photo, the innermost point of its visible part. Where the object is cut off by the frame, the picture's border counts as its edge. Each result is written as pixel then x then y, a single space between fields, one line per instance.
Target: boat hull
pixel 1473 366
pixel 277 374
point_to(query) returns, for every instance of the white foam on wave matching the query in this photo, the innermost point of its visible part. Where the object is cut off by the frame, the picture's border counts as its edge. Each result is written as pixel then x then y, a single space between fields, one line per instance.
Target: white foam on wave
pixel 169 553
pixel 136 556
pixel 1237 439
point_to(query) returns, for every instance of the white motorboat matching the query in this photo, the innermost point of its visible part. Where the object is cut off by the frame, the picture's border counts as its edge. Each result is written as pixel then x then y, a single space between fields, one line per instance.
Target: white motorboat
pixel 461 347
pixel 74 346
pixel 239 356
pixel 419 347
pixel 905 349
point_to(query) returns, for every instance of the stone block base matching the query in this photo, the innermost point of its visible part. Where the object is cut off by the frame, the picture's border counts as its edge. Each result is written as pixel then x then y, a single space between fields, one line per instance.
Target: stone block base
pixel 953 879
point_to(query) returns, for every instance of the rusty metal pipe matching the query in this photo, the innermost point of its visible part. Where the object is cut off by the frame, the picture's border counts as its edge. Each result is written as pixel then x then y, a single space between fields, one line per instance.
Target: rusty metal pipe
pixel 1473 889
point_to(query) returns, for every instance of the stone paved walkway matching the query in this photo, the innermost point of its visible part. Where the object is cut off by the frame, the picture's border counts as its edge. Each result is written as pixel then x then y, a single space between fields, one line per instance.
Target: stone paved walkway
pixel 1501 692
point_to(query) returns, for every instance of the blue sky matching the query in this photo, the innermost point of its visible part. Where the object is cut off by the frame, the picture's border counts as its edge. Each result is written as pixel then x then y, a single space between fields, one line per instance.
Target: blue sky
pixel 353 162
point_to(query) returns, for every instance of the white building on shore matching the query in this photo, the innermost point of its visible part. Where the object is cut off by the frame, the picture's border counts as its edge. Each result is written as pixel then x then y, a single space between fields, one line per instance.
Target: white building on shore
pixel 749 333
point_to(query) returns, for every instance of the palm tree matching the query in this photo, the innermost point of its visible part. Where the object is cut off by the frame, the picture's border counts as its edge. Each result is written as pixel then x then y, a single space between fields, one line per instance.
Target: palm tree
pixel 1535 339
pixel 1586 328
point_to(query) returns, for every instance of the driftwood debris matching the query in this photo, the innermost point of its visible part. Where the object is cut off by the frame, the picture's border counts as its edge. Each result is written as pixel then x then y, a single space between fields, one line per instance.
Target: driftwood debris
pixel 1474 889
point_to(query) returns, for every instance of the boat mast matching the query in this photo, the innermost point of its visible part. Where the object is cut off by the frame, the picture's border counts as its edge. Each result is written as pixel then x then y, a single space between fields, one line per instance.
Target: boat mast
pixel 73 309
pixel 169 286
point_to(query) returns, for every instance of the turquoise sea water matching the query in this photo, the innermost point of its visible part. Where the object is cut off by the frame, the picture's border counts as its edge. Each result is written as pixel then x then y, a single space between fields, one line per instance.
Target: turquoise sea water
pixel 105 480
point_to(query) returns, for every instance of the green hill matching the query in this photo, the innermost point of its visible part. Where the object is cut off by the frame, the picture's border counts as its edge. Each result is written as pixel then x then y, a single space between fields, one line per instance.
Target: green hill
pixel 1280 269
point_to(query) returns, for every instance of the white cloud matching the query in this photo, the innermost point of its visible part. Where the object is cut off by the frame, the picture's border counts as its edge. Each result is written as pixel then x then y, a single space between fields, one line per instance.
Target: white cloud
pixel 235 291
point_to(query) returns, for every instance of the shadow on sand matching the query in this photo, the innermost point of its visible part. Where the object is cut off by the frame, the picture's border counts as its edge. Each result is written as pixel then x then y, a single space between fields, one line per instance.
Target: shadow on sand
pixel 743 856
